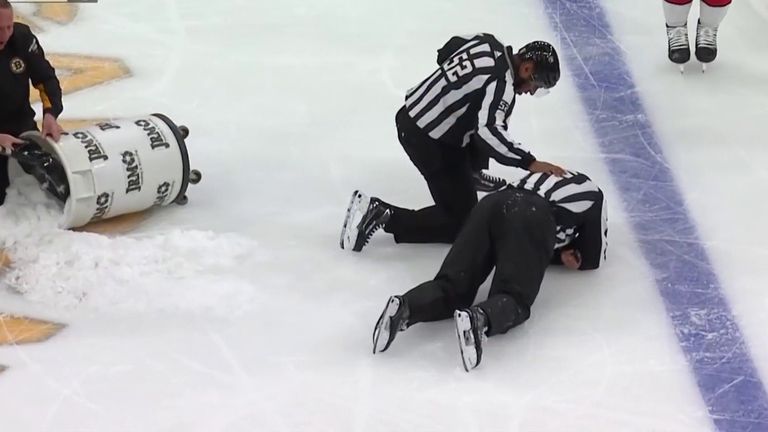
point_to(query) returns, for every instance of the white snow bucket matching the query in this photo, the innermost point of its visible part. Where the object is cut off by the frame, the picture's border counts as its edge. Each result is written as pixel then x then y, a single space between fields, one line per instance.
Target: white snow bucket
pixel 121 166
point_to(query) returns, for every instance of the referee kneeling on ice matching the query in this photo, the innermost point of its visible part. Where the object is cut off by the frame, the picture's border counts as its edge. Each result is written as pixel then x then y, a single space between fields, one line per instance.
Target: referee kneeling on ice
pixel 520 230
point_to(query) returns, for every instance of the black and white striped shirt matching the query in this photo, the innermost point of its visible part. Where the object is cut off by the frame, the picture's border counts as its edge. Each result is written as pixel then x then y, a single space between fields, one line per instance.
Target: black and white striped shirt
pixel 580 212
pixel 470 97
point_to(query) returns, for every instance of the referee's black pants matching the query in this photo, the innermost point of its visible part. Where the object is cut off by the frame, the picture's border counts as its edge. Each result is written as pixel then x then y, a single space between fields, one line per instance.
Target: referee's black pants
pixel 512 230
pixel 448 172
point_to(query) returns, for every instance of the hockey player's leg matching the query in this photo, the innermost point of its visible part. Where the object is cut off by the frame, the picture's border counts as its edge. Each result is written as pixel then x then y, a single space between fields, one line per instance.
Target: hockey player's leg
pixel 712 14
pixel 676 17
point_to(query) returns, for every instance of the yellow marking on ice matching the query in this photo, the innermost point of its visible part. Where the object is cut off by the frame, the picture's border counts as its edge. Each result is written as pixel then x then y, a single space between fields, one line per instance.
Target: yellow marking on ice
pixel 116 225
pixel 82 72
pixel 22 330
pixel 5 260
pixel 21 18
pixel 58 13
pixel 74 124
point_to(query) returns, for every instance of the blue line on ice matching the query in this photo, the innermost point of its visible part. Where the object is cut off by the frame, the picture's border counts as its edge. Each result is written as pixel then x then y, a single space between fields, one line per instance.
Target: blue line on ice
pixel 705 327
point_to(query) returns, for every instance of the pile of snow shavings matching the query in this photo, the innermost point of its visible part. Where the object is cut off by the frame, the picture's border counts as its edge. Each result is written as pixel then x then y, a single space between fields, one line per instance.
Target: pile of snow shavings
pixel 180 270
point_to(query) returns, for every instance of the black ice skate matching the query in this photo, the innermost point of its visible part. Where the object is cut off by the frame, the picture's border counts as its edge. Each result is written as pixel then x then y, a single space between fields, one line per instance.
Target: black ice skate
pixel 706 45
pixel 679 50
pixel 46 169
pixel 364 217
pixel 393 319
pixel 487 183
pixel 470 329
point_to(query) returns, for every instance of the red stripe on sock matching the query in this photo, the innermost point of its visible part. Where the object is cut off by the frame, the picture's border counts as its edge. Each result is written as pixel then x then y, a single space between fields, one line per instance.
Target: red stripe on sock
pixel 716 3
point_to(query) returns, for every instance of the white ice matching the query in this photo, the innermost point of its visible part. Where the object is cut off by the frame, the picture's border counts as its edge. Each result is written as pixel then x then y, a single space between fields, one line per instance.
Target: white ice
pixel 239 312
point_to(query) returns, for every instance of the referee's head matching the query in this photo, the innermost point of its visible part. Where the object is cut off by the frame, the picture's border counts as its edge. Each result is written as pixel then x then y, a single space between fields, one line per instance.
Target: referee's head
pixel 538 68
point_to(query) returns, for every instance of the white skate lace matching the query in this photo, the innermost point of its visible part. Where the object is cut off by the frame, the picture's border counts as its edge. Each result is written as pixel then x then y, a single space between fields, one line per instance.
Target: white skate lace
pixel 678 37
pixel 706 37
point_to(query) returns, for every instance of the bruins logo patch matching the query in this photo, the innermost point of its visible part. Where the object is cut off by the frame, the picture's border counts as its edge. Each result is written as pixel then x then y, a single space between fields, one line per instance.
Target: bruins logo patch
pixel 17 65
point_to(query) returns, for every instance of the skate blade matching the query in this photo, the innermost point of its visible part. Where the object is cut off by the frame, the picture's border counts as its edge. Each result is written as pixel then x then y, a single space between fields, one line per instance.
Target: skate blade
pixel 383 328
pixel 353 218
pixel 354 204
pixel 347 216
pixel 466 340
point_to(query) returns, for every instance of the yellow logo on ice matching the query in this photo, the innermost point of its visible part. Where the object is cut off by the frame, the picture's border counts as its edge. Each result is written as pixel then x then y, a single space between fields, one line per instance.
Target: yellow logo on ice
pixel 79 72
pixel 19 330
pixel 75 72
pixel 58 13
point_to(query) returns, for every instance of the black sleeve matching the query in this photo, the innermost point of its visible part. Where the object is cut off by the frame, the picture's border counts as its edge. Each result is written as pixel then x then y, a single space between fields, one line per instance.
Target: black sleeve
pixel 592 239
pixel 492 129
pixel 43 76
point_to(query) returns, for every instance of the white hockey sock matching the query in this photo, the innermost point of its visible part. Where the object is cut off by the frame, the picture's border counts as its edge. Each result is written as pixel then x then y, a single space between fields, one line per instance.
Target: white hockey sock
pixel 712 16
pixel 676 15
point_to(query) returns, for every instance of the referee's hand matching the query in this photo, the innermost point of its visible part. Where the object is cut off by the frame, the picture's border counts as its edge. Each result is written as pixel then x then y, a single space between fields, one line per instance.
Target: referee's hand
pixel 571 258
pixel 546 167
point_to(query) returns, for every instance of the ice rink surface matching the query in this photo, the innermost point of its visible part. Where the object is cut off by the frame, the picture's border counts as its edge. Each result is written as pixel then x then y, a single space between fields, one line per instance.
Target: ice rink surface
pixel 239 312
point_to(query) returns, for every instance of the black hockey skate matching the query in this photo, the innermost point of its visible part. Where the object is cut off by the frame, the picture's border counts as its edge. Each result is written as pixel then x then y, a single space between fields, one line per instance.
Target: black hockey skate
pixel 364 217
pixel 679 50
pixel 470 328
pixel 485 182
pixel 393 319
pixel 46 169
pixel 706 44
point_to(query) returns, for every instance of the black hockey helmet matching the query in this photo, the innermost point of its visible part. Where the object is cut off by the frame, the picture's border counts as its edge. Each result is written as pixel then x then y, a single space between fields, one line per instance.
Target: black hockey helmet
pixel 546 71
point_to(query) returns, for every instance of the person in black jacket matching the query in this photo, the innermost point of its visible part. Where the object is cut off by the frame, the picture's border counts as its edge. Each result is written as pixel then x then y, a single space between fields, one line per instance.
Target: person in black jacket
pixel 450 124
pixel 22 60
pixel 520 230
